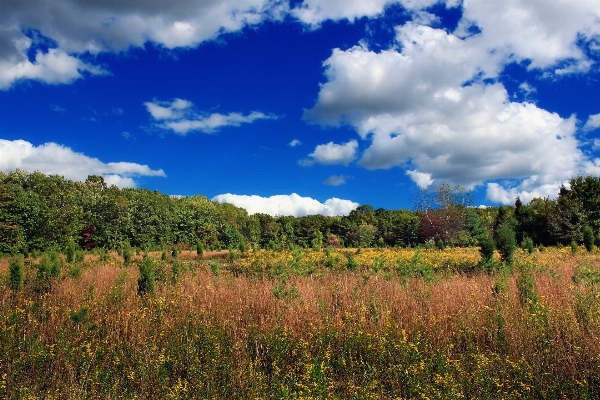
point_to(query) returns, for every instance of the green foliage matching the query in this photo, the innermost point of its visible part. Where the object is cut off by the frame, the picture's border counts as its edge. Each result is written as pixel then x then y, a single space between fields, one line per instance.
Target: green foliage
pixel 127 253
pixel 317 240
pixel 79 256
pixel 526 284
pixel 487 248
pixel 70 251
pixel 163 256
pixel 175 271
pixel 574 247
pixel 146 283
pixel 440 244
pixel 174 252
pixel 199 249
pixel 506 242
pixel 15 274
pixel 232 255
pixel 527 244
pixel 588 238
pixel 284 291
pixel 215 269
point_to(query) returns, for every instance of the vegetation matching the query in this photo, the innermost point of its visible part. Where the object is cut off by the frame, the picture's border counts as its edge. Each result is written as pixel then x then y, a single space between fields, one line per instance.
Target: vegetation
pixel 401 323
pixel 39 212
pixel 438 302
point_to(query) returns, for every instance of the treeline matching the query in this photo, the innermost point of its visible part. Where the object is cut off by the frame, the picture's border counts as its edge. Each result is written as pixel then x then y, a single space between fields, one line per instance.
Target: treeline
pixel 39 212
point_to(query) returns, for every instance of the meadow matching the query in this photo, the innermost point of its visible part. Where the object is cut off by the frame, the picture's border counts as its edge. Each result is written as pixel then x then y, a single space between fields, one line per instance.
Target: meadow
pixel 304 324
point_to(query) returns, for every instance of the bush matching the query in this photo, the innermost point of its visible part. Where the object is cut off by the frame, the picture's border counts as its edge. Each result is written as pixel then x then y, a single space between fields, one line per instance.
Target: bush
pixel 147 280
pixel 175 271
pixel 588 238
pixel 70 251
pixel 487 250
pixel 527 244
pixel 526 285
pixel 506 242
pixel 352 264
pixel 174 252
pixel 15 277
pixel 574 247
pixel 126 253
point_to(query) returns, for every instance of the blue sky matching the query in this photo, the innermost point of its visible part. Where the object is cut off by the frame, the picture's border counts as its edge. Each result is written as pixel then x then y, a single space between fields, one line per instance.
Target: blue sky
pixel 338 102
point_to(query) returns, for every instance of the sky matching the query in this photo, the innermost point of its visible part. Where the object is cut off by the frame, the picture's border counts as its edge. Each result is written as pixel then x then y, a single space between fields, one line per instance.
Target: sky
pixel 304 107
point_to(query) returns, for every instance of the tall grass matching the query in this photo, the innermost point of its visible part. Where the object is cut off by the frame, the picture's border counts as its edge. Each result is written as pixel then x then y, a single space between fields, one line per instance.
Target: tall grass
pixel 368 332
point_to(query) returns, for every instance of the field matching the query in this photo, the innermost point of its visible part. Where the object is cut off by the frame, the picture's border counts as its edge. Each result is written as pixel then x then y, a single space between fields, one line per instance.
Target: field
pixel 305 324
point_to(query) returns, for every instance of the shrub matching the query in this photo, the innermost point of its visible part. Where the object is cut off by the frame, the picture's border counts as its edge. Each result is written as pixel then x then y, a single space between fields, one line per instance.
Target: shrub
pixel 200 249
pixel 352 264
pixel 526 285
pixel 147 280
pixel 70 251
pixel 126 253
pixel 487 250
pixel 174 252
pixel 440 244
pixel 15 277
pixel 175 271
pixel 527 244
pixel 574 247
pixel 588 238
pixel 506 242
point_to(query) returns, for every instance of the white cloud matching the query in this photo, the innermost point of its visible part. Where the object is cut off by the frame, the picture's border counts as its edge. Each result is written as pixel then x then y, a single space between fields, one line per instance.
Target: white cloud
pixel 313 12
pixel 335 180
pixel 295 143
pixel 527 89
pixel 54 159
pixel 427 105
pixel 422 179
pixel 180 117
pixel 332 153
pixel 293 205
pixel 544 32
pixel 53 67
pixel 106 26
pixel 592 123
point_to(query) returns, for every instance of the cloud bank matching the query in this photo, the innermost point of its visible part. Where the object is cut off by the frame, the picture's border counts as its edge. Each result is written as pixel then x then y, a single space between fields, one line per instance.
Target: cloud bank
pixel 180 117
pixel 432 104
pixel 292 204
pixel 54 159
pixel 76 28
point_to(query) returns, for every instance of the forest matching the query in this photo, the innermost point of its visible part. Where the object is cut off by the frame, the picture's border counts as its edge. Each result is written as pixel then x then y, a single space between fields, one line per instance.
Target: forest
pixel 39 213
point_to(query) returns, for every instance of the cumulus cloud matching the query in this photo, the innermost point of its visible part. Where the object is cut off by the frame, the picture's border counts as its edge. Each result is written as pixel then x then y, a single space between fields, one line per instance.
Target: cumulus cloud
pixel 332 153
pixel 54 159
pixel 76 27
pixel 180 117
pixel 592 123
pixel 292 204
pixel 335 180
pixel 431 103
pixel 295 143
pixel 53 67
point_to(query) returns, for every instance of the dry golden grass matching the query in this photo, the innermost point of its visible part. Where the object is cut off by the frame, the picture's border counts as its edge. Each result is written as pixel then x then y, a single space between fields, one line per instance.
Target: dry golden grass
pixel 124 345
